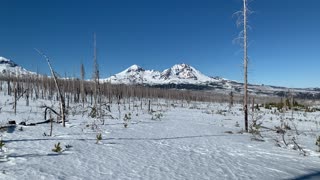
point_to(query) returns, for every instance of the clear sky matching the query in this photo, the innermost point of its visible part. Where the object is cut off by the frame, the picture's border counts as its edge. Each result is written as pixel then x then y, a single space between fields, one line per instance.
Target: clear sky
pixel 156 34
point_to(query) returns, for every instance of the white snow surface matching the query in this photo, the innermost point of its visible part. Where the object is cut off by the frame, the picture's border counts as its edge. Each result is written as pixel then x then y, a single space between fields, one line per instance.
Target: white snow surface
pixel 8 67
pixel 188 142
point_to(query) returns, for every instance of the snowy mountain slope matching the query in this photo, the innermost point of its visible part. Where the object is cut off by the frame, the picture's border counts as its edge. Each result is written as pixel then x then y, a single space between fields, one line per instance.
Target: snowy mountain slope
pixel 134 75
pixel 183 73
pixel 178 74
pixel 183 76
pixel 8 67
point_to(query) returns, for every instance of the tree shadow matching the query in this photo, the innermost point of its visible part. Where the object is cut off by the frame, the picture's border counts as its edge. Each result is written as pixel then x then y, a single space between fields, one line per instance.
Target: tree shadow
pixel 167 138
pixel 311 175
pixel 34 155
pixel 122 138
pixel 132 122
pixel 43 139
pixel 26 156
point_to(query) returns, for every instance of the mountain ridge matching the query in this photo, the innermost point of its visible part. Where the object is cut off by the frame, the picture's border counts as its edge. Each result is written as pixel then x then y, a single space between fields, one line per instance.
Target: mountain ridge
pixel 9 67
pixel 184 76
pixel 179 76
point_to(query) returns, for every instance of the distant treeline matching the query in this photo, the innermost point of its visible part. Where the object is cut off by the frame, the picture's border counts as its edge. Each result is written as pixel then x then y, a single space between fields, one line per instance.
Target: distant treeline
pixel 82 91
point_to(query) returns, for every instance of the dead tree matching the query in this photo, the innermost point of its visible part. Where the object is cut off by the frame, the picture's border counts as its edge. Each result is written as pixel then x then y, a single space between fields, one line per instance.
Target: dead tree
pixel 62 101
pixel 15 97
pixel 95 73
pixel 82 71
pixel 243 20
pixel 245 58
pixel 231 100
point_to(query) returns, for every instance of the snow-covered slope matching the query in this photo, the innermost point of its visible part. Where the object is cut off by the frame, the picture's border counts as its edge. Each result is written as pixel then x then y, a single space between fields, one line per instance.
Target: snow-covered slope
pixel 184 73
pixel 184 76
pixel 8 67
pixel 178 74
pixel 134 75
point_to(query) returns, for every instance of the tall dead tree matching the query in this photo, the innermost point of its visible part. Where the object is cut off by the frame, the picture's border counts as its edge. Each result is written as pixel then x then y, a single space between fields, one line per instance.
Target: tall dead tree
pixel 243 40
pixel 245 59
pixel 95 71
pixel 61 98
pixel 82 72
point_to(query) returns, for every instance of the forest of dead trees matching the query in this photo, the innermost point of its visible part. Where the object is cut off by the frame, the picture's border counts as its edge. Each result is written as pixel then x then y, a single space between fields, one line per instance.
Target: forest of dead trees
pixel 80 91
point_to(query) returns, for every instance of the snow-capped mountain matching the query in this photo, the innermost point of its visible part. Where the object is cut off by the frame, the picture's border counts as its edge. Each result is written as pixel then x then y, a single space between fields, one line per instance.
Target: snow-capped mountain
pixel 183 73
pixel 8 67
pixel 183 76
pixel 178 74
pixel 134 75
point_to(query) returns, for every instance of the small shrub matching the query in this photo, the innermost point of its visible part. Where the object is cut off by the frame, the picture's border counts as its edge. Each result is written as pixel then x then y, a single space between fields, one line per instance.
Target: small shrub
pixel 126 119
pixel 125 125
pixel 156 116
pixel 57 148
pixel 254 128
pixel 237 124
pixel 1 145
pixel 99 138
pixel 93 113
pixel 318 143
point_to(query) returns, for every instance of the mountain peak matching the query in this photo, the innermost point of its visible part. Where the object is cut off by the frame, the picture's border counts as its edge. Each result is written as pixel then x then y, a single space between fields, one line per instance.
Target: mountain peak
pixel 181 66
pixel 3 59
pixel 184 72
pixel 8 67
pixel 7 62
pixel 134 68
pixel 177 74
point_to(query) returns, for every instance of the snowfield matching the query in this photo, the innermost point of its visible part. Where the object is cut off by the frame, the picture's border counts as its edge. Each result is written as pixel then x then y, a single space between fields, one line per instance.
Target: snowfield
pixel 190 141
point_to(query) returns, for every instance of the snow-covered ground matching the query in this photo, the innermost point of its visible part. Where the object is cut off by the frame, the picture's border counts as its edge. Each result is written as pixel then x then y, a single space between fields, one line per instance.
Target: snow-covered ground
pixel 190 141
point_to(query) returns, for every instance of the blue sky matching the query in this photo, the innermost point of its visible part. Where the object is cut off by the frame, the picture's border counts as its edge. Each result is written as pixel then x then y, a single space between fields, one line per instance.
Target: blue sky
pixel 156 34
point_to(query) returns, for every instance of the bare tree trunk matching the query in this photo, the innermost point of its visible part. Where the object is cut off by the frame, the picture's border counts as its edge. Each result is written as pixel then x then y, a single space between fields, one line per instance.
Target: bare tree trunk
pixel 82 71
pixel 95 73
pixel 252 108
pixel 51 124
pixel 231 100
pixel 62 101
pixel 15 97
pixel 245 58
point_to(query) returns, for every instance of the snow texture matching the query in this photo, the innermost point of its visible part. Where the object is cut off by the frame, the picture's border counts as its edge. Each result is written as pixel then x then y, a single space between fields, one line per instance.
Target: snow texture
pixel 188 142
